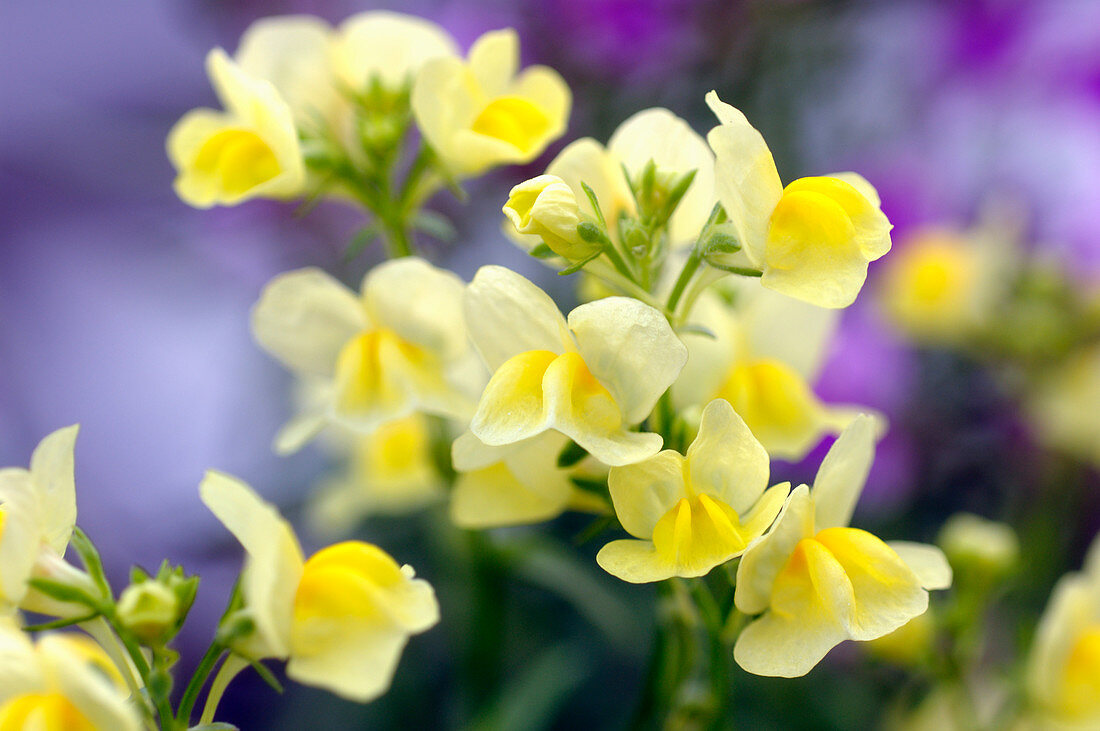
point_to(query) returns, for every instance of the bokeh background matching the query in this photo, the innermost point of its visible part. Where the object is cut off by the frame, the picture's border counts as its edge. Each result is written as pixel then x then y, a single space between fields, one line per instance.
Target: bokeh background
pixel 125 310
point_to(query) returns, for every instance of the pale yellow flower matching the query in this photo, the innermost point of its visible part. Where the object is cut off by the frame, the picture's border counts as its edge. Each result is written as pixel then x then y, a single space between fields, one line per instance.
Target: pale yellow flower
pixel 590 377
pixel 58 684
pixel 691 513
pixel 812 239
pixel 764 358
pixel 340 618
pixel 547 208
pixel 818 582
pixel 978 544
pixel 1063 407
pixel 249 150
pixel 1063 678
pixel 398 347
pixel 478 113
pixel 391 47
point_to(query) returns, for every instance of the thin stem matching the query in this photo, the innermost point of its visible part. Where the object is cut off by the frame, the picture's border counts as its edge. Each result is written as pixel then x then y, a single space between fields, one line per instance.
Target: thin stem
pixel 617 261
pixel 164 709
pixel 232 666
pixel 194 687
pixel 690 267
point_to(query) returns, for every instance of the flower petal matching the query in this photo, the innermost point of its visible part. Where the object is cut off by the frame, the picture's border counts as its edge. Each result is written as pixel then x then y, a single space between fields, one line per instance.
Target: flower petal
pixel 637 562
pixel 52 476
pixel 644 491
pixel 512 407
pixel 586 161
pixel 726 460
pixel 493 59
pixel 292 52
pixel 507 315
pixel 419 302
pixel 358 667
pixel 927 562
pixel 391 46
pixel 765 558
pixel 842 474
pixel 88 689
pixel 20 534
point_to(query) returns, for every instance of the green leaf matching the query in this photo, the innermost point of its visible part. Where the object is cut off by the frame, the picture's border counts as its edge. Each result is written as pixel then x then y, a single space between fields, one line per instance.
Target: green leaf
pixel 571 454
pixel 364 236
pixel 435 224
pixel 266 674
pixel 577 266
pixel 89 556
pixel 595 202
pixel 677 193
pixel 59 623
pixel 541 251
pixel 744 272
pixel 63 592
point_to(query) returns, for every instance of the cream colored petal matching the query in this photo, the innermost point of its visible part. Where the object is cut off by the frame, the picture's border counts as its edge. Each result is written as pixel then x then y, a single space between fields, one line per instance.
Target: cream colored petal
pixel 297 432
pixel 784 328
pixel 469 453
pixel 20 670
pixel 1071 610
pixel 20 537
pixel 842 474
pixel 547 90
pixel 766 557
pixel 393 46
pixel 419 302
pixel 709 358
pixel 745 179
pixel 764 512
pixel 274 563
pixel 507 314
pixel 643 492
pixel 861 184
pixel 512 407
pixel 806 619
pixel 833 283
pixel 659 135
pixel 635 561
pixel 304 318
pixel 89 690
pixel 447 79
pixel 586 161
pixel 726 460
pixel 926 561
pixel 631 349
pixel 293 53
pixel 52 476
pixel 185 139
pixel 358 666
pixel 494 59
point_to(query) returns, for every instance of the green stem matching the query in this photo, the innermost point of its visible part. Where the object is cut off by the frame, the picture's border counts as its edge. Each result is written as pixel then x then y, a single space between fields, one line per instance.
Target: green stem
pixel 101 631
pixel 232 666
pixel 133 649
pixel 690 267
pixel 198 680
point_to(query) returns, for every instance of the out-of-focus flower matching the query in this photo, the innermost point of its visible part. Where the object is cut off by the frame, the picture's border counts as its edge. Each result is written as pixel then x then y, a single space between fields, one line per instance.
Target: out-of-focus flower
pixel 389 471
pixel 340 618
pixel 149 609
pixel 399 347
pixel 977 544
pixel 813 239
pixel 694 512
pixel 547 208
pixel 819 582
pixel 58 684
pixel 1063 679
pixel 1063 408
pixel 250 150
pixel 391 47
pixel 590 377
pixel 765 354
pixel 478 113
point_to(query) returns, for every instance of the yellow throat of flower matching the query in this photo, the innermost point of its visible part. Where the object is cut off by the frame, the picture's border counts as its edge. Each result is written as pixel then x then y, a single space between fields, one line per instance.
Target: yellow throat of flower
pixel 378 370
pixel 1080 696
pixel 775 402
pixel 817 213
pixel 396 449
pixel 515 121
pixel 236 161
pixel 42 712
pixel 699 531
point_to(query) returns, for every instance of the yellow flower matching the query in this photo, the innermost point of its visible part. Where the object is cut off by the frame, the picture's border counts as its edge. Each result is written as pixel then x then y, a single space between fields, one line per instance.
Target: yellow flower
pixel 399 347
pixel 57 685
pixel 340 618
pixel 1063 677
pixel 37 516
pixel 392 47
pixel 819 582
pixel 478 114
pixel 249 150
pixel 767 352
pixel 694 512
pixel 812 239
pixel 547 208
pixel 975 544
pixel 590 377
pixel 389 471
pixel 1063 407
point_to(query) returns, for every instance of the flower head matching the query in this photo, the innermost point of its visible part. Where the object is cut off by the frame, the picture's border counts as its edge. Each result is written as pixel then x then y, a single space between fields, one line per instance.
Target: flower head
pixel 391 47
pixel 589 377
pixel 340 618
pixel 691 513
pixel 399 347
pixel 819 582
pixel 547 208
pixel 1062 408
pixel 478 113
pixel 813 238
pixel 249 150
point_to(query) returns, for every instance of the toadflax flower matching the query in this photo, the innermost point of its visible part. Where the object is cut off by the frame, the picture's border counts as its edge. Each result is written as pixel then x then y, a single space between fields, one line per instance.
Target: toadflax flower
pixel 819 582
pixel 478 113
pixel 813 238
pixel 762 353
pixel 58 685
pixel 590 377
pixel 399 347
pixel 691 513
pixel 1063 674
pixel 340 618
pixel 249 150
pixel 37 516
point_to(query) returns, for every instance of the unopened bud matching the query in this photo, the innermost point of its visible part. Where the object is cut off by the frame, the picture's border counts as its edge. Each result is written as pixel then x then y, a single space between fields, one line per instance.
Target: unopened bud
pixel 149 610
pixel 547 207
pixel 974 543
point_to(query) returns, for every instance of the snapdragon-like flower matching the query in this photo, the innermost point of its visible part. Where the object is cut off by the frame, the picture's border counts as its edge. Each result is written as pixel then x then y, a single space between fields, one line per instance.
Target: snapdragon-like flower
pixel 340 618
pixel 37 516
pixel 399 347
pixel 249 150
pixel 590 377
pixel 765 354
pixel 478 113
pixel 819 582
pixel 1063 678
pixel 58 685
pixel 1063 408
pixel 691 513
pixel 812 239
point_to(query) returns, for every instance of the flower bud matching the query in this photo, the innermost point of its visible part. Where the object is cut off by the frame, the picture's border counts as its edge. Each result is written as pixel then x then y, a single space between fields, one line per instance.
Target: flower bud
pixel 149 609
pixel 985 546
pixel 547 207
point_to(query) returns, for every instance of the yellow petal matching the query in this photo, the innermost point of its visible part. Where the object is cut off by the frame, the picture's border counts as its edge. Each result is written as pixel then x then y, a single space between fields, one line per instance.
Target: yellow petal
pixel 927 562
pixel 637 562
pixel 725 459
pixel 843 472
pixel 764 559
pixel 52 476
pixel 645 491
pixel 91 693
pixel 512 406
pixel 507 315
pixel 391 46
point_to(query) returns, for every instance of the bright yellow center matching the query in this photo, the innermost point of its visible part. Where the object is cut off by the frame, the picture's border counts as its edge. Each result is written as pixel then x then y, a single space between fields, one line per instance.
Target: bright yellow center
pixel 515 121
pixel 42 712
pixel 237 159
pixel 815 222
pixel 399 447
pixel 379 370
pixel 699 531
pixel 775 402
pixel 1080 697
